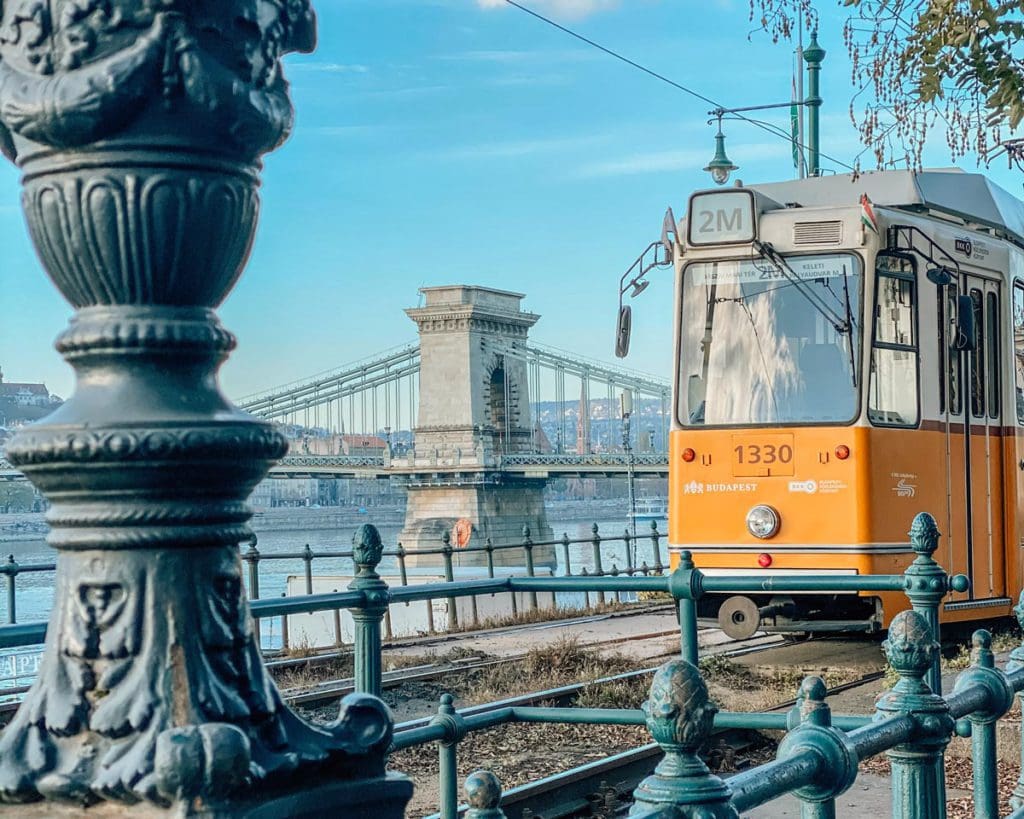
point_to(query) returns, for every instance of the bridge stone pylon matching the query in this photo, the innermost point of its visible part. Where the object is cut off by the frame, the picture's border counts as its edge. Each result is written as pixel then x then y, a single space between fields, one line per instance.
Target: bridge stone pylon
pixel 474 407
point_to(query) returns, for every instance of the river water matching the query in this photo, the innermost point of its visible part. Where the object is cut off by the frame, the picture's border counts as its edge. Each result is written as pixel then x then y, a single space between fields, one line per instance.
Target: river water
pixel 35 589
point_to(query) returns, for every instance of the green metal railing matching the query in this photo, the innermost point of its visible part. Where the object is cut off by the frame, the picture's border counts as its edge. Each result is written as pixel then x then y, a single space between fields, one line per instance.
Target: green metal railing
pixel 640 554
pixel 818 758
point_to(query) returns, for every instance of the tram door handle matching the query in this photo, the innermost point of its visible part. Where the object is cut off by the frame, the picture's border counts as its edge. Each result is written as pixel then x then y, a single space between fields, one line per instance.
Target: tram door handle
pixel 1021 464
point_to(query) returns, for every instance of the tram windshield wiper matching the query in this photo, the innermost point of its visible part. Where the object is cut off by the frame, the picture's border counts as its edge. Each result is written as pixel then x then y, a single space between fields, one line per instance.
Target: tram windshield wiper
pixel 842 325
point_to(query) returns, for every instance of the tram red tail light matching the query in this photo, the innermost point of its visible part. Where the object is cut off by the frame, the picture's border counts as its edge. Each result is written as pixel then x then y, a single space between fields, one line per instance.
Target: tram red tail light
pixel 764 560
pixel 689 455
pixel 842 452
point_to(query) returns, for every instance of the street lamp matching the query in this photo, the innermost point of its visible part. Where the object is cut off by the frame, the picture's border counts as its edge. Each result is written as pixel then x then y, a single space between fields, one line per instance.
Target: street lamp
pixel 626 405
pixel 720 166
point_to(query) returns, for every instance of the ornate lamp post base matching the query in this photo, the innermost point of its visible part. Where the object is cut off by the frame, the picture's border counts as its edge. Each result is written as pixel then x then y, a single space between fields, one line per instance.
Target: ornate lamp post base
pixel 378 798
pixel 139 129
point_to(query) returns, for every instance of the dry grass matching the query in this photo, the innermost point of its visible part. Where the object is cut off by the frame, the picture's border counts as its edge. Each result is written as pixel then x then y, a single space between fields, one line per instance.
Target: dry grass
pixel 560 663
pixel 544 615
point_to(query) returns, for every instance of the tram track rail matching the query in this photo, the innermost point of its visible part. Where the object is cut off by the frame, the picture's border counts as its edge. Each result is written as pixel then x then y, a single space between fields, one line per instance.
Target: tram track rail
pixel 335 689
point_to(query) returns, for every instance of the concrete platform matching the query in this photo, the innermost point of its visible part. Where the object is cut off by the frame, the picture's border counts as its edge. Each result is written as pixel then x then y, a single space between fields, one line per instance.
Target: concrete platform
pixel 870 796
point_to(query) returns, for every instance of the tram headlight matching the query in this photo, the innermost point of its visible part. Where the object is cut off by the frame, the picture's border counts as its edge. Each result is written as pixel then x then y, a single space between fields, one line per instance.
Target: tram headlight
pixel 763 522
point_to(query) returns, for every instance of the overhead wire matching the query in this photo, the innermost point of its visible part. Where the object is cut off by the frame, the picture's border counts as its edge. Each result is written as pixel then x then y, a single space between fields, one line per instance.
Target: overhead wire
pixel 664 79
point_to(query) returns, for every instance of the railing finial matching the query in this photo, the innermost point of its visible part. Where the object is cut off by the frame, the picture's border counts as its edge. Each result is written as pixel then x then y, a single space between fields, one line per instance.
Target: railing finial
pixel 680 715
pixel 367 550
pixel 483 795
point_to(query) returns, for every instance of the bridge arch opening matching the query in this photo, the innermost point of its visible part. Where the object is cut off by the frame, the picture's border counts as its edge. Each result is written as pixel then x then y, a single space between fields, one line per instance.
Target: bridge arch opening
pixel 499 406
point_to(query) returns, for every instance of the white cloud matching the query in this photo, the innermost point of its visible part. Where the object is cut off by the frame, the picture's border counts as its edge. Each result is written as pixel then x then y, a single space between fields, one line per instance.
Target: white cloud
pixel 328 68
pixel 518 148
pixel 568 9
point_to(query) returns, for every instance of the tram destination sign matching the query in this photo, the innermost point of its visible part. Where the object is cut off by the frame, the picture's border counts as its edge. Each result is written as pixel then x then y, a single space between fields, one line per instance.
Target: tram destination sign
pixel 737 271
pixel 722 217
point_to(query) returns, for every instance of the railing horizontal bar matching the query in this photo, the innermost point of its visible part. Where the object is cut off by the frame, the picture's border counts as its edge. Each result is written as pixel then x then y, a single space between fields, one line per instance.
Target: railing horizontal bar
pixel 462 588
pixel 756 721
pixel 301 604
pixel 881 736
pixel 589 583
pixel 22 634
pixel 579 716
pixel 37 567
pixel 766 782
pixel 786 583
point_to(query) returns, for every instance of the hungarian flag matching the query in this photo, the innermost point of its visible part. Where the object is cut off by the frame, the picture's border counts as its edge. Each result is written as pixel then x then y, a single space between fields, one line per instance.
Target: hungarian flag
pixel 867 214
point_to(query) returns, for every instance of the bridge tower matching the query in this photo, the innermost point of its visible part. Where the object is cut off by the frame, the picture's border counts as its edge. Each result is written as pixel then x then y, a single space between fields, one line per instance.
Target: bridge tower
pixel 474 408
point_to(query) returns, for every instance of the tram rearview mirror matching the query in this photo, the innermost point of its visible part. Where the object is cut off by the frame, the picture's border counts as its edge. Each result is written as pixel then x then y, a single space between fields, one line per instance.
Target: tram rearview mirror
pixel 623 330
pixel 965 330
pixel 939 276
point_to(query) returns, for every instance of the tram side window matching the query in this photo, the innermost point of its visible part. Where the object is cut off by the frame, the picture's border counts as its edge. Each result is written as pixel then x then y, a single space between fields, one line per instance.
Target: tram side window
pixel 978 358
pixel 1018 347
pixel 992 340
pixel 949 362
pixel 892 395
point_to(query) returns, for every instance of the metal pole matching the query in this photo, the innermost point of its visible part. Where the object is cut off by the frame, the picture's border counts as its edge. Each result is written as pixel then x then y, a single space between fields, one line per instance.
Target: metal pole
pixel 596 543
pixel 814 55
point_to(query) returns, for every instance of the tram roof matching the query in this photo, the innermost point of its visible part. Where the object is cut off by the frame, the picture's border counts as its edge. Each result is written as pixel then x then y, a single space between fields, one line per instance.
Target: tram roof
pixel 971 196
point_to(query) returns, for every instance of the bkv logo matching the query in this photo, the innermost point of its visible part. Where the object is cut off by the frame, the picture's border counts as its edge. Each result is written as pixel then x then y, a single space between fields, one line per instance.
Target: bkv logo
pixel 963 246
pixel 810 487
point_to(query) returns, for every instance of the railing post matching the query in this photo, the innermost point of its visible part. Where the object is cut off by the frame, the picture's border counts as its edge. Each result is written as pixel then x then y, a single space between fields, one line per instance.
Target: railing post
pixel 615 573
pixel 402 572
pixel 810 728
pixel 447 750
pixel 337 626
pixel 489 550
pixel 656 545
pixel 284 627
pixel 566 557
pixel 1016 663
pixel 307 559
pixel 449 577
pixel 983 672
pixel 367 551
pixel 528 554
pixel 483 796
pixel 10 569
pixel 586 592
pixel 627 539
pixel 598 570
pixel 685 585
pixel 926 583
pixel 680 715
pixel 252 557
pixel 918 779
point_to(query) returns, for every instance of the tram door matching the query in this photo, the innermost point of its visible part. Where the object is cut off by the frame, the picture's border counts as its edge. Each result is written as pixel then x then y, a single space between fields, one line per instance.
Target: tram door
pixel 981 370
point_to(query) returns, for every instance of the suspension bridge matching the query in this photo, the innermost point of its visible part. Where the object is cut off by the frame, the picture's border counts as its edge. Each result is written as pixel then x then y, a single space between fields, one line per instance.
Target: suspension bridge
pixel 472 419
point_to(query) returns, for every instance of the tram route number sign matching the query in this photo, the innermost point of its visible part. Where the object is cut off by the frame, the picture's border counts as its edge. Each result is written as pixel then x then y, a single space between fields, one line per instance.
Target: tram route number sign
pixel 722 217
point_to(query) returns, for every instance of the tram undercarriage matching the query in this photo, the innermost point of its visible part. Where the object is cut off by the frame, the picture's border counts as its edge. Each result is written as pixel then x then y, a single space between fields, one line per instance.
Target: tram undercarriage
pixel 740 617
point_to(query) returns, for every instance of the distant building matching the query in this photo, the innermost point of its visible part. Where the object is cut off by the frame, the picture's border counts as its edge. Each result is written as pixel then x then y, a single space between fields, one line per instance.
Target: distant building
pixel 355 445
pixel 24 402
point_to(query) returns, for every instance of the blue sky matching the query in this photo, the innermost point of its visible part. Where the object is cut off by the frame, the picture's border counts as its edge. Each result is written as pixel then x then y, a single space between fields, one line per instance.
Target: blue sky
pixel 443 141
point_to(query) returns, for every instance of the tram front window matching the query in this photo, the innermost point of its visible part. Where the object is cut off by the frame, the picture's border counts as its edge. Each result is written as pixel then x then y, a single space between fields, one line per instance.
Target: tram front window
pixel 767 345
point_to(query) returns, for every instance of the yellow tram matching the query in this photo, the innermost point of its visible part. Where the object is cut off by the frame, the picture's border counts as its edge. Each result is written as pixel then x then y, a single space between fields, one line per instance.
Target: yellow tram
pixel 850 351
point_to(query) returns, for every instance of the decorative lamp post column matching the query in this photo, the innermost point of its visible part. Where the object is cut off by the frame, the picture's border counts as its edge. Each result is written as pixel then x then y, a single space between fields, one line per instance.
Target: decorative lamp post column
pixel 139 128
pixel 814 56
